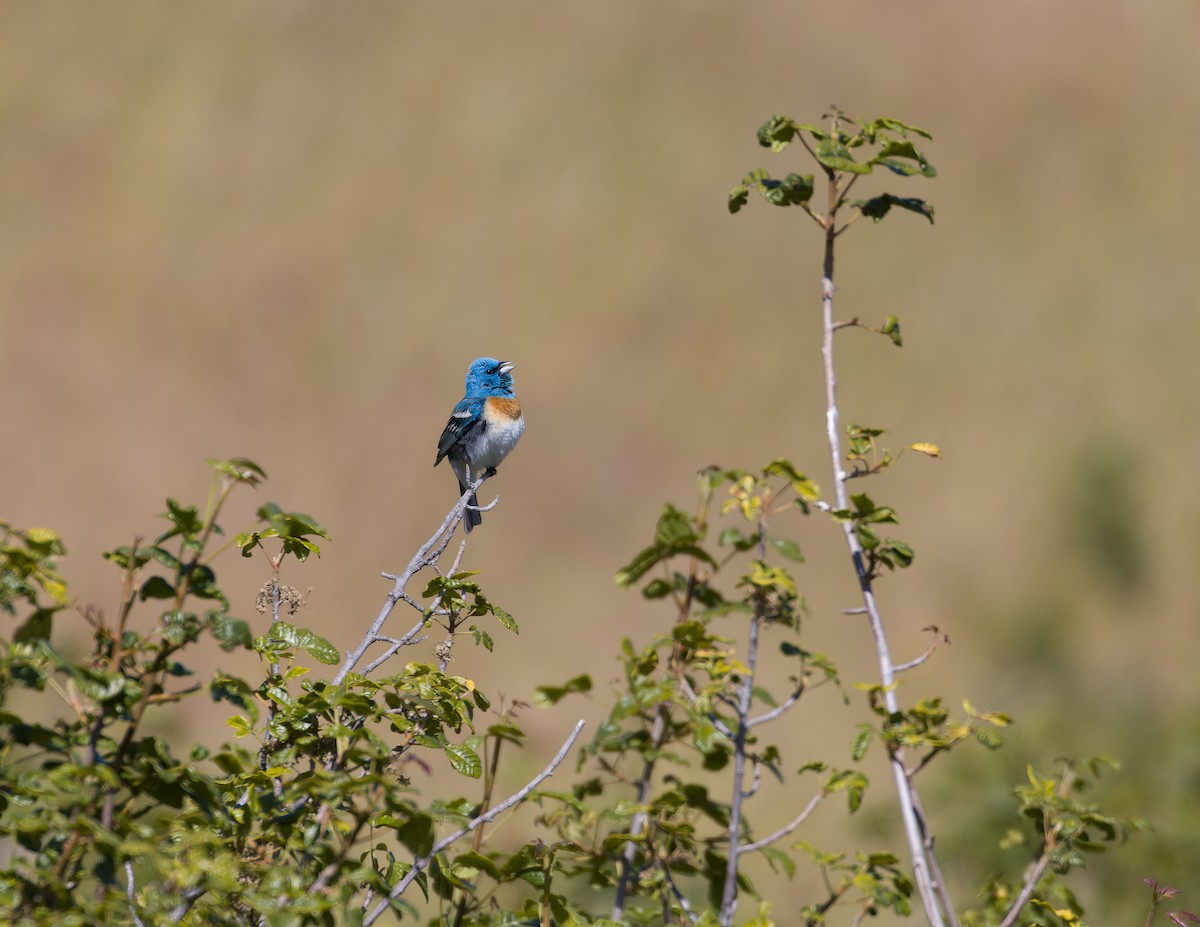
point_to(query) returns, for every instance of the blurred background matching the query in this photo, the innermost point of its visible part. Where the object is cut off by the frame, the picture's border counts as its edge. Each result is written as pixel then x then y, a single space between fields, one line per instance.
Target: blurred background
pixel 282 230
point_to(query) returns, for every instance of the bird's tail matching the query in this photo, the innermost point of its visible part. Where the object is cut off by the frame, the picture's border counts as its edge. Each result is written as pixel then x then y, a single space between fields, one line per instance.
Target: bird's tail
pixel 471 517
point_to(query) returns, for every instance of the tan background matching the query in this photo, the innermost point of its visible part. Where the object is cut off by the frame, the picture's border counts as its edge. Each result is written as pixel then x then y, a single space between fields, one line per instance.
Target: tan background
pixel 282 230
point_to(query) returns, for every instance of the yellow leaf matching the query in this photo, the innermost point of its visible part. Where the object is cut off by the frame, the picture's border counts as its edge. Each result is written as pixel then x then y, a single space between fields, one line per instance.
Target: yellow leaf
pixel 54 588
pixel 929 450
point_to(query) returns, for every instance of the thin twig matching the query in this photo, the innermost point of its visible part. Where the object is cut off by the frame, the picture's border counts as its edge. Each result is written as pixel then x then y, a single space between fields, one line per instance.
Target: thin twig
pixel 1027 890
pixel 426 555
pixel 514 799
pixel 867 908
pixel 129 893
pixel 779 709
pixel 937 641
pixel 787 828
pixel 658 734
pixel 1049 840
pixel 755 780
pixel 394 646
pixel 729 893
pixel 447 647
pixel 925 760
pixel 939 882
pixel 190 897
pixel 683 902
pixel 935 867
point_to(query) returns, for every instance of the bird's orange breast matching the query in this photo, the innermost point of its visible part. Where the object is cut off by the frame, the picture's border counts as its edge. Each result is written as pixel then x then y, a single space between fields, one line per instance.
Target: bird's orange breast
pixel 503 407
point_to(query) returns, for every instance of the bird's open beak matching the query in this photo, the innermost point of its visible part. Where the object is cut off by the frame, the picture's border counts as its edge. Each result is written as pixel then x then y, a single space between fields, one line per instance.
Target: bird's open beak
pixel 506 366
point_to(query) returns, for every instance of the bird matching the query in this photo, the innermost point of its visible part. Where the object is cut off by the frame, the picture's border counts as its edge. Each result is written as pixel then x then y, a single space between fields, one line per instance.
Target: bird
pixel 483 427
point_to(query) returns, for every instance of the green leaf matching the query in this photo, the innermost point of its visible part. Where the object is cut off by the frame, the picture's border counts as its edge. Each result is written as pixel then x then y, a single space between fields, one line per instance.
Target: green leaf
pixel 551 695
pixel 891 328
pixel 776 133
pixel 903 158
pixel 292 528
pixel 779 131
pixel 735 537
pixel 657 589
pixel 787 548
pixel 478 861
pixel 509 733
pixel 801 485
pixel 895 125
pixel 674 528
pixel 185 520
pixel 35 628
pixel 779 860
pixel 503 617
pixel 290 636
pixel 793 190
pixel 862 740
pixel 896 554
pixel 225 688
pixel 738 197
pixel 156 587
pixel 464 760
pixel 239 469
pixel 853 783
pixel 763 576
pixel 673 536
pixel 878 207
pixel 835 155
pixel 639 566
pixel 482 638
pixel 231 633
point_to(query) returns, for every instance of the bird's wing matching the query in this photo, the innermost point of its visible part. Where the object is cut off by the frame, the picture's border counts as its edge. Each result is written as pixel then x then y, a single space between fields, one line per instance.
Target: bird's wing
pixel 466 416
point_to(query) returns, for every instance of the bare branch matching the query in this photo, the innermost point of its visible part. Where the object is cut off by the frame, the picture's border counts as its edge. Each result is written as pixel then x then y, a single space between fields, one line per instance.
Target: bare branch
pixel 787 828
pixel 190 897
pixel 1027 890
pixel 904 790
pixel 514 799
pixel 867 908
pixel 129 893
pixel 780 709
pixel 729 897
pixel 755 781
pixel 395 645
pixel 427 555
pixel 925 761
pixel 683 902
pixel 933 645
pixel 640 818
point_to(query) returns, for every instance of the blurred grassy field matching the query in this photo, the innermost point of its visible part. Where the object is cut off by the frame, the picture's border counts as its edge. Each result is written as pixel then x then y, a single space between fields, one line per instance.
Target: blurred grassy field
pixel 282 230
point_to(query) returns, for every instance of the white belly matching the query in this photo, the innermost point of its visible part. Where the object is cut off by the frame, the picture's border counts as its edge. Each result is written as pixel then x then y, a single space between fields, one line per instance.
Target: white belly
pixel 495 441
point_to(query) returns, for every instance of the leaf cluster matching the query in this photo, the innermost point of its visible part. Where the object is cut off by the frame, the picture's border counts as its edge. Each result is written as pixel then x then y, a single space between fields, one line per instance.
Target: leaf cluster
pixel 304 815
pixel 847 147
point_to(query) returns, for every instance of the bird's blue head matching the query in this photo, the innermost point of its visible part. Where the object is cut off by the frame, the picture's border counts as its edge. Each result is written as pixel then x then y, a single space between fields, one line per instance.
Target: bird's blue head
pixel 489 377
